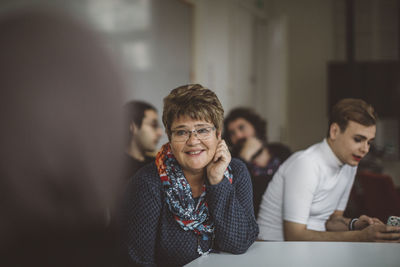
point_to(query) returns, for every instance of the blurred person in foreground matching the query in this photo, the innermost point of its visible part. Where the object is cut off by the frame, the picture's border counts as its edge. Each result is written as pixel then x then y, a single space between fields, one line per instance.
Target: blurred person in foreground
pixel 307 196
pixel 144 132
pixel 246 134
pixel 61 142
pixel 194 198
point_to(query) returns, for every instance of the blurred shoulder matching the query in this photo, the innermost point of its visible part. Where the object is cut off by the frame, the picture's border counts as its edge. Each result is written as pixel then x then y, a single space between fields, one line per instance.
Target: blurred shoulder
pixel 237 164
pixel 238 167
pixel 148 174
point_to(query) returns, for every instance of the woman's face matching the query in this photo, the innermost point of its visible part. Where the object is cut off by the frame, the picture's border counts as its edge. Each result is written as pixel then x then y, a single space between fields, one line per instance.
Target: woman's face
pixel 194 154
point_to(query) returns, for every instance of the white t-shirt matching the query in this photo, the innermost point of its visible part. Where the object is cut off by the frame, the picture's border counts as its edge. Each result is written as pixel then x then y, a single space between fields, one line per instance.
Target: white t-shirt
pixel 307 188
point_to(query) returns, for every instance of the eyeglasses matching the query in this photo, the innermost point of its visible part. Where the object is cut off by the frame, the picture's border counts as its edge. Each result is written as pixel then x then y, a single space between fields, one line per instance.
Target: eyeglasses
pixel 182 135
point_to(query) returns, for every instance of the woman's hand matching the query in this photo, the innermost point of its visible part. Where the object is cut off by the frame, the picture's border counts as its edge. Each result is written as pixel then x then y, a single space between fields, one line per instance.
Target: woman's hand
pixel 217 167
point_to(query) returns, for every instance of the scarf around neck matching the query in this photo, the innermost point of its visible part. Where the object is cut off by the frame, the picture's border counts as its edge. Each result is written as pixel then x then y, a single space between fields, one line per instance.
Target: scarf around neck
pixel 179 198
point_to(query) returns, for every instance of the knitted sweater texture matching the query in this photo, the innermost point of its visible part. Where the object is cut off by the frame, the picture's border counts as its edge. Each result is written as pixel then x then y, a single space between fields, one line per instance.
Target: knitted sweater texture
pixel 153 236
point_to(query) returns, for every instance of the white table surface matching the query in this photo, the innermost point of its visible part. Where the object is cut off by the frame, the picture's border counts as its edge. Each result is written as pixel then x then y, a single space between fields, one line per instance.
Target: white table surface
pixel 309 254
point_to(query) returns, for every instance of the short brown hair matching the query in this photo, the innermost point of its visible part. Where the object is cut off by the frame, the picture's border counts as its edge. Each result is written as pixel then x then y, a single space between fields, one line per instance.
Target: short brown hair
pixel 194 101
pixel 352 109
pixel 248 114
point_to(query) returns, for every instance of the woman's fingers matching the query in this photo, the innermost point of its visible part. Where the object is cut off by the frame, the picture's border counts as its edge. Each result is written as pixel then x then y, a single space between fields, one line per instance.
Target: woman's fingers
pixel 222 151
pixel 220 162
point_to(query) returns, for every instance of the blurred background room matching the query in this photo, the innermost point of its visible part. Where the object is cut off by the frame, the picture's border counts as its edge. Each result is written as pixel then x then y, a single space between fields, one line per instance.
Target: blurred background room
pixel 289 60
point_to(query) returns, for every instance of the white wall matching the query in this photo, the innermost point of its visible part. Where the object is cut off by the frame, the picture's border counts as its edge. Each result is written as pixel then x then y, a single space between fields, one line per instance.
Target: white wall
pixel 233 43
pixel 211 46
pixel 223 50
pixel 271 56
pixel 276 64
pixel 310 46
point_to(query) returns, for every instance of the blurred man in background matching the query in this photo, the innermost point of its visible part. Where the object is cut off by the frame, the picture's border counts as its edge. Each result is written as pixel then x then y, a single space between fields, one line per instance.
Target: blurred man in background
pixel 246 134
pixel 141 118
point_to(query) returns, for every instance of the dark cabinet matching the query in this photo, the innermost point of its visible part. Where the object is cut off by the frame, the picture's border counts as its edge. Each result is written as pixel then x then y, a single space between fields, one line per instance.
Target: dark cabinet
pixel 377 82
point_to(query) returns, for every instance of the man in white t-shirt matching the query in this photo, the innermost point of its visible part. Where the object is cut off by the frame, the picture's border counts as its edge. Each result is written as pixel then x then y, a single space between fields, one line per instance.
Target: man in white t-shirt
pixel 307 196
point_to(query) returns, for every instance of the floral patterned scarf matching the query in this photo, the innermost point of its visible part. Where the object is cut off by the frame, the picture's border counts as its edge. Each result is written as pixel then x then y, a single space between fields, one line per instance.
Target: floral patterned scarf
pixel 178 195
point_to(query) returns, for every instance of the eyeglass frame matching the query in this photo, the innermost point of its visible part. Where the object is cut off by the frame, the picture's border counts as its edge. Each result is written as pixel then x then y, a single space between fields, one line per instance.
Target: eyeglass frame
pixel 190 132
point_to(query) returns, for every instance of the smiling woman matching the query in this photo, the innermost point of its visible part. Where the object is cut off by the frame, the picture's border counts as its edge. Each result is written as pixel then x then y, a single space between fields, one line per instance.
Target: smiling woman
pixel 194 198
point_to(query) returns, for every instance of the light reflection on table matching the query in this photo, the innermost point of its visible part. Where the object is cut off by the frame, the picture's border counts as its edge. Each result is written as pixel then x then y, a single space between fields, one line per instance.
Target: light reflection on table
pixel 324 254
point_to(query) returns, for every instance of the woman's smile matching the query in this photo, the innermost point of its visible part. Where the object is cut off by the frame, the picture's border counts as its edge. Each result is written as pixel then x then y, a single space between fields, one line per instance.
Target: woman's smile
pixel 194 153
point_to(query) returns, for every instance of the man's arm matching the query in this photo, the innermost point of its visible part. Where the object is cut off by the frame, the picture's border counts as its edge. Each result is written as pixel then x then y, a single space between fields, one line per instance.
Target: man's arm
pixel 337 222
pixel 300 185
pixel 253 150
pixel 372 233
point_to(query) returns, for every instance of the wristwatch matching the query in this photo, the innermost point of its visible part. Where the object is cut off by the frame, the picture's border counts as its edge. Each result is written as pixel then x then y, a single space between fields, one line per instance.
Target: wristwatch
pixel 351 224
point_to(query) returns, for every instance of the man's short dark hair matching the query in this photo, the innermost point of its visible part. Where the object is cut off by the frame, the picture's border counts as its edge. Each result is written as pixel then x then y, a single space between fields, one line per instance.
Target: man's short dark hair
pixel 352 109
pixel 259 124
pixel 134 112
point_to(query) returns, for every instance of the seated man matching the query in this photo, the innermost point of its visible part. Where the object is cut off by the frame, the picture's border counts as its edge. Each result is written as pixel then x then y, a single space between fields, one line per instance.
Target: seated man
pixel 246 135
pixel 144 133
pixel 307 196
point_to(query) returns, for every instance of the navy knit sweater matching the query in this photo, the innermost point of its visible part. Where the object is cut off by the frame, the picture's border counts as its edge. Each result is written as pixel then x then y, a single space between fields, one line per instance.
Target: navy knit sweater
pixel 155 238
